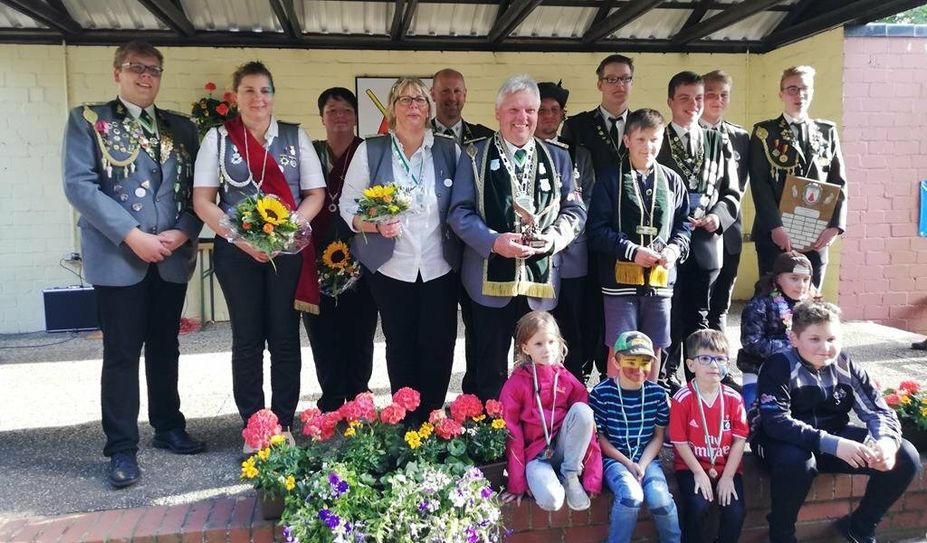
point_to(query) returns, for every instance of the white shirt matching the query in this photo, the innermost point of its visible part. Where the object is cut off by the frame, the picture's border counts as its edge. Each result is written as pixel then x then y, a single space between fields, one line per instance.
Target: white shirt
pixel 136 112
pixel 609 117
pixel 683 134
pixel 206 173
pixel 512 147
pixel 706 124
pixel 419 250
pixel 792 121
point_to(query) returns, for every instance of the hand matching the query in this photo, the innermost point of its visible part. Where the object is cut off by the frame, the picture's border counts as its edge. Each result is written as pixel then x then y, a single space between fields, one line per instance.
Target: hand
pixel 884 453
pixel 636 470
pixel 826 238
pixel 781 238
pixel 855 454
pixel 256 254
pixel 709 222
pixel 647 257
pixel 172 239
pixel 508 497
pixel 703 484
pixel 669 256
pixel 509 245
pixel 146 246
pixel 726 492
pixel 389 230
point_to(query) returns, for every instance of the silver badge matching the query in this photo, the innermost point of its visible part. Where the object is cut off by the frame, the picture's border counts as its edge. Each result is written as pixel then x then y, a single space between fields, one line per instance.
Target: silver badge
pixel 136 207
pixel 140 192
pixel 494 164
pixel 448 183
pixel 146 184
pixel 542 169
pixel 117 188
pixel 123 197
pixel 525 201
pixel 545 184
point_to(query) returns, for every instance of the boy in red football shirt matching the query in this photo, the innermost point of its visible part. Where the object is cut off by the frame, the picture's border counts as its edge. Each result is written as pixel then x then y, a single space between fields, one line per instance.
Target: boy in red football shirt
pixel 708 428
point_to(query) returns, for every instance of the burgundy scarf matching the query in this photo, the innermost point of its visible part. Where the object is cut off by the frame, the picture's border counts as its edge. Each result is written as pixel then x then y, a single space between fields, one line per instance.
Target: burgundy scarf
pixel 307 289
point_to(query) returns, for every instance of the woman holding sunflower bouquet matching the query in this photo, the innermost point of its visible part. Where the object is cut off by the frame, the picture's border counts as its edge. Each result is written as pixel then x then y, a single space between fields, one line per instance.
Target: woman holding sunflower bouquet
pixel 410 261
pixel 255 158
pixel 342 333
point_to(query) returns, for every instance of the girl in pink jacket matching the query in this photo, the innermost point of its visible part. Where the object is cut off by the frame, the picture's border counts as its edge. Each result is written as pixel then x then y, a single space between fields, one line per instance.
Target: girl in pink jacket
pixel 551 442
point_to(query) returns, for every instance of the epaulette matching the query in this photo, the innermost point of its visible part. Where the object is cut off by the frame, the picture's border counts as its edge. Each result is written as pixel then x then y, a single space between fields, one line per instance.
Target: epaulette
pixel 445 136
pixel 88 104
pixel 559 144
pixel 735 125
pixel 369 136
pixel 178 113
pixel 825 122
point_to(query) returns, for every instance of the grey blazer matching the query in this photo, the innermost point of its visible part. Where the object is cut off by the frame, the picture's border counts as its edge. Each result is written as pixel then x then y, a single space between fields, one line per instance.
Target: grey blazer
pixel 479 238
pixel 117 182
pixel 576 256
pixel 374 250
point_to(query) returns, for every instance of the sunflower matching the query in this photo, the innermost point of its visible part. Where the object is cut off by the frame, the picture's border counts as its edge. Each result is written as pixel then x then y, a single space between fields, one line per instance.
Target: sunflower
pixel 272 211
pixel 336 255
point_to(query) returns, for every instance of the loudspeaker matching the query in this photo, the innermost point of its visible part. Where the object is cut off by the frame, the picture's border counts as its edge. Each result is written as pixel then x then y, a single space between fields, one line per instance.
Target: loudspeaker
pixel 70 309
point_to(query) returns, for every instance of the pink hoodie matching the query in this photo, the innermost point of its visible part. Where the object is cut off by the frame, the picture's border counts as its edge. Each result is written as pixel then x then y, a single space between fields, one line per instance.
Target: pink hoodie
pixel 526 436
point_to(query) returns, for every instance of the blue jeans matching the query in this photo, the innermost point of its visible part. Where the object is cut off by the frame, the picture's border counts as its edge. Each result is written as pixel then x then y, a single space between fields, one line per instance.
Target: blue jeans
pixel 631 493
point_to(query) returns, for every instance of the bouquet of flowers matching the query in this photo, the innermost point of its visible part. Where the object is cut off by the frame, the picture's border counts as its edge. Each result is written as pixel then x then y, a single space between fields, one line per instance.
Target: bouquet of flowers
pixel 382 203
pixel 337 270
pixel 265 222
pixel 208 112
pixel 909 401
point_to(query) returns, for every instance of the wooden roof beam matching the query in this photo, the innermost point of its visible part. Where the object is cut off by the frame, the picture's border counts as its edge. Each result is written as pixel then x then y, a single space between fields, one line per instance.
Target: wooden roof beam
pixel 171 15
pixel 620 18
pixel 45 14
pixel 730 16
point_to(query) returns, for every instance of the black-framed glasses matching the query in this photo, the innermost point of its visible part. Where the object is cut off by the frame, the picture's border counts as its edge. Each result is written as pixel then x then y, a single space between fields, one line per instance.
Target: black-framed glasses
pixel 139 68
pixel 420 101
pixel 709 359
pixel 615 80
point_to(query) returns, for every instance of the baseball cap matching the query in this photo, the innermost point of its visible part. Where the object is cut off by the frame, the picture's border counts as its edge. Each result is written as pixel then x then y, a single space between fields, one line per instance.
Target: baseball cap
pixel 792 262
pixel 634 343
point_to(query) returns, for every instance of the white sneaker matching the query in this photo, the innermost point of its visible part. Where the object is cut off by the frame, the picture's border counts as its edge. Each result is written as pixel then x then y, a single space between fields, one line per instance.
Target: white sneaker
pixel 576 496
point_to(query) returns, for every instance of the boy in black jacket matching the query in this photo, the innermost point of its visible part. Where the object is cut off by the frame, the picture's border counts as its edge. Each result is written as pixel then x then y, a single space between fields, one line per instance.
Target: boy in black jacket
pixel 801 427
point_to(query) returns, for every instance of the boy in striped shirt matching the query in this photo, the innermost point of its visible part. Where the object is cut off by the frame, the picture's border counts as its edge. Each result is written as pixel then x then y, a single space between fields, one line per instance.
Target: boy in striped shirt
pixel 631 415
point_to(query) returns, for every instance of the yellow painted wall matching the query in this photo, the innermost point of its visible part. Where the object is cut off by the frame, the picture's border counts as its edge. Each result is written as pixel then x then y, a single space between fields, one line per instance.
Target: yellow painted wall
pixel 39 83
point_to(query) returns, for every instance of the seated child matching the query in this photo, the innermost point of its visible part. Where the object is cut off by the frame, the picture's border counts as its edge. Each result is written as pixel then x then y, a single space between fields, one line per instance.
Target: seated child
pixel 765 322
pixel 550 425
pixel 630 415
pixel 708 428
pixel 800 427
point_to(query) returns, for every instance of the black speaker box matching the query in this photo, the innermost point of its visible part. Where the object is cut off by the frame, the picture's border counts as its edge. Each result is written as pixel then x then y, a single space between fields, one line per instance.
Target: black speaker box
pixel 70 308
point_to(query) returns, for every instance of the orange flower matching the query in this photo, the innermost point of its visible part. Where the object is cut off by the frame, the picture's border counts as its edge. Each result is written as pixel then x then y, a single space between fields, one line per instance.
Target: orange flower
pixel 268 228
pixel 387 198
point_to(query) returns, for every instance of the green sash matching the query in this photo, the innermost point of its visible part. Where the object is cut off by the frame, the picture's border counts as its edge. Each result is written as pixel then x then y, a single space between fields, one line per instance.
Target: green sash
pixel 632 204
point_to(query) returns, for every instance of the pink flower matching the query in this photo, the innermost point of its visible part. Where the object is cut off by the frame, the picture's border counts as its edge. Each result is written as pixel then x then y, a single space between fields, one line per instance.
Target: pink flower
pixel 448 428
pixel 261 427
pixel 892 400
pixel 436 416
pixel 466 406
pixel 351 411
pixel 392 413
pixel 309 414
pixel 408 398
pixel 101 126
pixel 222 109
pixel 913 387
pixel 494 408
pixel 210 86
pixel 364 401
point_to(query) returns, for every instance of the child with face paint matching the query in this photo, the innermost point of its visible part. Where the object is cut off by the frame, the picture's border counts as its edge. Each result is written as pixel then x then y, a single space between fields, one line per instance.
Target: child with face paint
pixel 631 415
pixel 767 317
pixel 708 428
pixel 551 450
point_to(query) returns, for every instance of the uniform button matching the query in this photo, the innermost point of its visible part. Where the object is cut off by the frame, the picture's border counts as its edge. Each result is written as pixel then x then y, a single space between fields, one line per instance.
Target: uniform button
pixel 153 230
pixel 154 170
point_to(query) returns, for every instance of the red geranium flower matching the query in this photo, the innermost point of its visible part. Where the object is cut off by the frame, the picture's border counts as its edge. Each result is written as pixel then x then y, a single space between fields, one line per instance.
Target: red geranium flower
pixel 351 411
pixel 448 428
pixel 228 96
pixel 222 109
pixel 392 414
pixel 466 406
pixel 261 427
pixel 436 416
pixel 892 399
pixel 913 387
pixel 364 401
pixel 210 86
pixel 494 408
pixel 408 398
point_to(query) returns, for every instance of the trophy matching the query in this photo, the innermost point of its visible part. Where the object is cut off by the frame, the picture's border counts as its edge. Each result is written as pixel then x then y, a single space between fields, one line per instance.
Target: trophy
pixel 528 223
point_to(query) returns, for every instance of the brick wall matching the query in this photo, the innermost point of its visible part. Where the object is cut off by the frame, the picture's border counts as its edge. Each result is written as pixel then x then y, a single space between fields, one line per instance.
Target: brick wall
pixel 885 147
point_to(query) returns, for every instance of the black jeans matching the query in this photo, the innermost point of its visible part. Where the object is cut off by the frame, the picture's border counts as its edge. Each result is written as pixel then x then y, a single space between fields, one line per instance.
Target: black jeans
pixel 494 329
pixel 571 316
pixel 260 303
pixel 722 292
pixel 419 322
pixel 341 336
pixel 793 468
pixel 146 313
pixel 695 507
pixel 691 299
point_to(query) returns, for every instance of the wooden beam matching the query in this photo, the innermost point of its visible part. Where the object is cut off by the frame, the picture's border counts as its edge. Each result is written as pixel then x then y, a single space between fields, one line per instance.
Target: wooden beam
pixel 624 15
pixel 45 14
pixel 604 10
pixel 795 14
pixel 407 19
pixel 730 16
pixel 286 14
pixel 698 13
pixel 507 22
pixel 171 15
pixel 396 25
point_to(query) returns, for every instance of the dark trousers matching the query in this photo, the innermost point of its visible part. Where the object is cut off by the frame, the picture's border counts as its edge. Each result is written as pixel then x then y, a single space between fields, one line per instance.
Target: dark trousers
pixel 419 322
pixel 260 303
pixel 793 468
pixel 146 313
pixel 722 292
pixel 695 508
pixel 767 251
pixel 691 299
pixel 595 352
pixel 466 315
pixel 571 315
pixel 341 336
pixel 493 331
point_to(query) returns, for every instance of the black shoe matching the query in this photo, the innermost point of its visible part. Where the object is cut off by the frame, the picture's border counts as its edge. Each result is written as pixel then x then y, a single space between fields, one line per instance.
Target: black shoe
pixel 178 442
pixel 920 345
pixel 845 526
pixel 123 469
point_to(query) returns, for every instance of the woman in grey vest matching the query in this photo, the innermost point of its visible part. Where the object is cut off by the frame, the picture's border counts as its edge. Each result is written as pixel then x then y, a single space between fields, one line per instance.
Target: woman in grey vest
pixel 411 263
pixel 260 298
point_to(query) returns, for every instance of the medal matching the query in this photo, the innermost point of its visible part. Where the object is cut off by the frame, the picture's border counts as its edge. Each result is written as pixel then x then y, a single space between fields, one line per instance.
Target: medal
pixel 548 452
pixel 332 207
pixel 713 452
pixel 783 158
pixel 548 437
pixel 712 473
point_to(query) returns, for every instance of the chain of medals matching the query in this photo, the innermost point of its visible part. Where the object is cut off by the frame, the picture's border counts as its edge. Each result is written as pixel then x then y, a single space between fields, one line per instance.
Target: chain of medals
pixel 627 426
pixel 548 437
pixel 418 189
pixel 713 453
pixel 224 174
pixel 646 226
pixel 524 183
pixel 336 196
pixel 691 166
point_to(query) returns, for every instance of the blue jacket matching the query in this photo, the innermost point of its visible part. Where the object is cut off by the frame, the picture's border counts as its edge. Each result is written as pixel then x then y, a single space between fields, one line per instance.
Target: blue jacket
pixel 762 332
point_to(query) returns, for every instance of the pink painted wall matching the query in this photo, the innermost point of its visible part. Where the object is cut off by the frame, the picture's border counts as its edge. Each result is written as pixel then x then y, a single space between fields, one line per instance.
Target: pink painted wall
pixel 883 276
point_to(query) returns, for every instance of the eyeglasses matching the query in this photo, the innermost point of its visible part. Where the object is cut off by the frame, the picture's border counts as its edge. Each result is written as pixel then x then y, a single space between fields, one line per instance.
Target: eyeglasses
pixel 709 359
pixel 139 69
pixel 406 101
pixel 794 90
pixel 613 80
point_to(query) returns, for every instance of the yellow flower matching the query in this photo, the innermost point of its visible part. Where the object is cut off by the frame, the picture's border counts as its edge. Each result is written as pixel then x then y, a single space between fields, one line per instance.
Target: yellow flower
pixel 264 454
pixel 426 430
pixel 413 439
pixel 290 483
pixel 272 211
pixel 336 255
pixel 924 411
pixel 498 424
pixel 248 471
pixel 479 418
pixel 905 400
pixel 379 191
pixel 350 432
pixel 393 209
pixel 277 439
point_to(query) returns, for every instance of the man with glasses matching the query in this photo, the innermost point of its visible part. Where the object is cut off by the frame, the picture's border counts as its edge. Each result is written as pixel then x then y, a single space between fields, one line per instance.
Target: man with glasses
pixel 128 171
pixel 794 144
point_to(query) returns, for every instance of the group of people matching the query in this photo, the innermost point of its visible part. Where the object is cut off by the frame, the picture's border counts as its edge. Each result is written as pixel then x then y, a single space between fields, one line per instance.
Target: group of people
pixel 622 231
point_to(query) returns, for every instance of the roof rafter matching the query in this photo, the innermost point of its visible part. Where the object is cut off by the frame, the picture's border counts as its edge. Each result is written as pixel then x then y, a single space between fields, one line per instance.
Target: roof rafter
pixel 618 19
pixel 508 21
pixel 604 10
pixel 286 14
pixel 730 16
pixel 171 15
pixel 698 13
pixel 407 19
pixel 46 14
